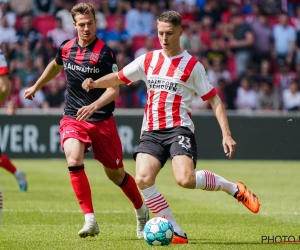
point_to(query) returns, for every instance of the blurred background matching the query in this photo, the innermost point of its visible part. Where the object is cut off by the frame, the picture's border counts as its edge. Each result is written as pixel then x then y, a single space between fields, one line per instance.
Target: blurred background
pixel 250 49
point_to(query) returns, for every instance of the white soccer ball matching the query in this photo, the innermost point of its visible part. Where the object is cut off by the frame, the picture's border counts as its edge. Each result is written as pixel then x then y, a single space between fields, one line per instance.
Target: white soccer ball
pixel 158 232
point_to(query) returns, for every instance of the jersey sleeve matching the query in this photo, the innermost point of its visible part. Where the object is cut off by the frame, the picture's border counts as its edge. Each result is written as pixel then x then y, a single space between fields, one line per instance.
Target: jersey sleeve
pixel 109 61
pixel 58 58
pixel 202 85
pixel 3 65
pixel 134 71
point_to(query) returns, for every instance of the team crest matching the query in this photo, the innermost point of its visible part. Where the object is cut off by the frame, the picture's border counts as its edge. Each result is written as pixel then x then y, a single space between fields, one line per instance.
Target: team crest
pixel 94 57
pixel 114 68
pixel 66 53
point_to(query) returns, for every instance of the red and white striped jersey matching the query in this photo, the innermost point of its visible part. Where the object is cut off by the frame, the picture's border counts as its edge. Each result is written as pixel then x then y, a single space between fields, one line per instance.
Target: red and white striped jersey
pixel 3 65
pixel 171 86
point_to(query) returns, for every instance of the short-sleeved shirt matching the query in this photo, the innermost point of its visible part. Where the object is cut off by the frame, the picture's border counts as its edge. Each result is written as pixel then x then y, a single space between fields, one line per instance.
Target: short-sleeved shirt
pixel 240 34
pixel 171 85
pixel 93 61
pixel 3 65
pixel 283 36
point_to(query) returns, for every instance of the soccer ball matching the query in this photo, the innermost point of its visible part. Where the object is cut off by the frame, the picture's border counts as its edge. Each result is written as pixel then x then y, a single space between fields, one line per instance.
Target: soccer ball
pixel 158 232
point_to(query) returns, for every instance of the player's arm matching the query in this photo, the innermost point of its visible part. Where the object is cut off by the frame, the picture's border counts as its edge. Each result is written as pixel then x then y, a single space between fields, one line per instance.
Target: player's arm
pixel 109 80
pixel 4 87
pixel 107 97
pixel 229 144
pixel 49 73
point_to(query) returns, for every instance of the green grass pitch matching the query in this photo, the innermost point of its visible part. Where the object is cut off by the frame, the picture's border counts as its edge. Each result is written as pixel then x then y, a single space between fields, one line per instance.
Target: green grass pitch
pixel 48 216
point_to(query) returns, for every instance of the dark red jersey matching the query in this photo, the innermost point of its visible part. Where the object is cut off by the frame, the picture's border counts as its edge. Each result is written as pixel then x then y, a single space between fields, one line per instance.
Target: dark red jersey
pixel 93 61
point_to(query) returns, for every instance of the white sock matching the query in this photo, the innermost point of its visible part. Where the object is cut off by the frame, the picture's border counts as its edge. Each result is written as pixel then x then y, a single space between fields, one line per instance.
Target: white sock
pixel 89 217
pixel 209 181
pixel 141 211
pixel 159 206
pixel 17 173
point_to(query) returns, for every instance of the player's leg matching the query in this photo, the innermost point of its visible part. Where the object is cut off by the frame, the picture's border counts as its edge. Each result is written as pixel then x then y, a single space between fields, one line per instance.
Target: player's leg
pixel 150 157
pixel 128 185
pixel 110 155
pixel 74 151
pixel 203 179
pixel 75 141
pixel 187 177
pixel 4 86
pixel 183 151
pixel 19 174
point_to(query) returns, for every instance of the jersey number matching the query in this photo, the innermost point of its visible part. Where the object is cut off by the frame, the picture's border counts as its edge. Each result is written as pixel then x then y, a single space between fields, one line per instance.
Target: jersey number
pixel 184 142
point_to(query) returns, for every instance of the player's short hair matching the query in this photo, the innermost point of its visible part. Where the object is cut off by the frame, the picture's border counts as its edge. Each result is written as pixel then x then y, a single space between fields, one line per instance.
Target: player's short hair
pixel 172 17
pixel 82 9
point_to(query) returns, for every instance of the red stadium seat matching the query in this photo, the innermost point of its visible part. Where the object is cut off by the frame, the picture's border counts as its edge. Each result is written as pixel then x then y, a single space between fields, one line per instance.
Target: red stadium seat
pixel 111 19
pixel 18 24
pixel 273 20
pixel 44 23
pixel 138 42
pixel 156 43
pixel 230 65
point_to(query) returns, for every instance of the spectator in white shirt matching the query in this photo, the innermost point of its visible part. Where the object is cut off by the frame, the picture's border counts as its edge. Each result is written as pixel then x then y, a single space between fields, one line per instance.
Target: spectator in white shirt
pixel 65 15
pixel 246 97
pixel 291 97
pixel 39 97
pixel 4 11
pixel 59 34
pixel 8 34
pixel 217 72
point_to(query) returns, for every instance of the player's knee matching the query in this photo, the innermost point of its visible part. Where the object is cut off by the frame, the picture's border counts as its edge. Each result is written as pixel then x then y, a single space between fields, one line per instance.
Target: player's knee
pixel 116 178
pixel 143 182
pixel 73 161
pixel 185 182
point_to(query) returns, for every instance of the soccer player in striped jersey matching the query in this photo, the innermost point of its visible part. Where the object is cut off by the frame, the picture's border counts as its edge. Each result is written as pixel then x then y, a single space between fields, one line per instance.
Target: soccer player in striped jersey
pixel 4 160
pixel 88 117
pixel 4 92
pixel 172 77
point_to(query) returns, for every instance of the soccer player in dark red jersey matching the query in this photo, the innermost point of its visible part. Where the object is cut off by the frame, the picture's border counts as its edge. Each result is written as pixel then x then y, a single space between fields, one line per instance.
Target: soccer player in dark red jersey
pixel 4 160
pixel 88 117
pixel 173 77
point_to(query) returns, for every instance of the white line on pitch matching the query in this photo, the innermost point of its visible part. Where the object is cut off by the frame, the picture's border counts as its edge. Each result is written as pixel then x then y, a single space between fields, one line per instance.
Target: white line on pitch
pixel 60 211
pixel 124 212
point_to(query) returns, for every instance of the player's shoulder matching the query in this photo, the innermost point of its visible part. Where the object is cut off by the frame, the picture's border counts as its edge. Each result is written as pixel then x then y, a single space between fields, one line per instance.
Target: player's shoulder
pixel 67 42
pixel 192 61
pixel 106 51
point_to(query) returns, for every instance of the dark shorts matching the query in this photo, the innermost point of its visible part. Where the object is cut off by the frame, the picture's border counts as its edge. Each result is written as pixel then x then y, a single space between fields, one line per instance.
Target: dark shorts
pixel 101 135
pixel 166 143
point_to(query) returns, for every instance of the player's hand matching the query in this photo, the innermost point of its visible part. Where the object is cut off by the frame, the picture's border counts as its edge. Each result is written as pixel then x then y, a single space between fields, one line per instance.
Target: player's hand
pixel 29 93
pixel 85 113
pixel 88 84
pixel 229 146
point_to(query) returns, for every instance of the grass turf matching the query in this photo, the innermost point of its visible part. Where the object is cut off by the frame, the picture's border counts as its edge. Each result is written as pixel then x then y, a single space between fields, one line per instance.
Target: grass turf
pixel 48 216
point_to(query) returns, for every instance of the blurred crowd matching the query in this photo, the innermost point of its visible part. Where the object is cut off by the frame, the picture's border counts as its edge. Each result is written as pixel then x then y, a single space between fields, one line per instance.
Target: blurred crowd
pixel 250 48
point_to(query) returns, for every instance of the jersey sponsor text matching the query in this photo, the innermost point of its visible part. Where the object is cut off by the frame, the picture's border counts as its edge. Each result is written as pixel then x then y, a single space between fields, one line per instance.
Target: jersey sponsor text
pixel 92 70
